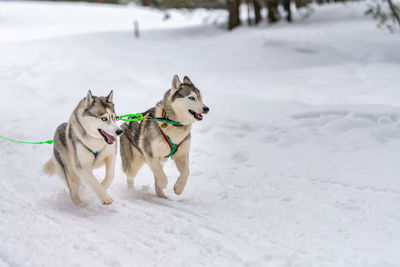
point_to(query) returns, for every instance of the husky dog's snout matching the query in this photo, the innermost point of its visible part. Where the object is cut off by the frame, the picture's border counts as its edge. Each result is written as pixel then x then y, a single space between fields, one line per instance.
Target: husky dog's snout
pixel 206 109
pixel 119 132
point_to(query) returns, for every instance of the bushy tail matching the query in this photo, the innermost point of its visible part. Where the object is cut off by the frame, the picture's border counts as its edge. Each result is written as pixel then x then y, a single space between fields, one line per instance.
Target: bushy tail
pixel 49 167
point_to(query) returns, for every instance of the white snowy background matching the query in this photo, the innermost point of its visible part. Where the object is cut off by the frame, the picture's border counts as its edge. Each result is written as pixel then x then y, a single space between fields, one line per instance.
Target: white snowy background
pixel 297 163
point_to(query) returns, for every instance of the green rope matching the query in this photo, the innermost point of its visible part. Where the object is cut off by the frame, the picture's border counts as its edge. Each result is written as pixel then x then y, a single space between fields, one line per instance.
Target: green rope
pixel 24 142
pixel 131 117
pixel 139 117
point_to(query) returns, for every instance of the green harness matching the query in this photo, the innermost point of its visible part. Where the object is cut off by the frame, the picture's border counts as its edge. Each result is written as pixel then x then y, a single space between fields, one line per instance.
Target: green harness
pixel 139 117
pixel 173 147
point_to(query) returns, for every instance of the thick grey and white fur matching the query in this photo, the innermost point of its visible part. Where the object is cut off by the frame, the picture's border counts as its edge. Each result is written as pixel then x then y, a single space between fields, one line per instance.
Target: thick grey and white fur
pixel 143 142
pixel 85 142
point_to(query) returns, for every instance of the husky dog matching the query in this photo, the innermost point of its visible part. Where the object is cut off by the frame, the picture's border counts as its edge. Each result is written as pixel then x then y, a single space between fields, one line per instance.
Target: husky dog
pixel 86 142
pixel 152 141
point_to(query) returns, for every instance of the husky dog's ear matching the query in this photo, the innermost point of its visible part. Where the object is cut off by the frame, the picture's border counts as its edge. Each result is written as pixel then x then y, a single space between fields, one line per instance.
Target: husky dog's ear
pixel 110 97
pixel 175 82
pixel 89 98
pixel 187 80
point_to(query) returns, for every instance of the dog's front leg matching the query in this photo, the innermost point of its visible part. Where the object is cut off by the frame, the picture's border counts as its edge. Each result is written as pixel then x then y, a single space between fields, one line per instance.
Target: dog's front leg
pixel 110 171
pixel 182 163
pixel 160 178
pixel 91 181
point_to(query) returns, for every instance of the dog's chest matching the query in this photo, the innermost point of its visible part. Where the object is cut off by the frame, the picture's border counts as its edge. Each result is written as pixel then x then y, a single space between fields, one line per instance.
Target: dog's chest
pixel 176 134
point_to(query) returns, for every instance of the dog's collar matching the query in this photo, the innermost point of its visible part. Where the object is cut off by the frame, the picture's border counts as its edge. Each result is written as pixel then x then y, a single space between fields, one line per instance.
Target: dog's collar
pixel 173 147
pixel 173 123
pixel 95 153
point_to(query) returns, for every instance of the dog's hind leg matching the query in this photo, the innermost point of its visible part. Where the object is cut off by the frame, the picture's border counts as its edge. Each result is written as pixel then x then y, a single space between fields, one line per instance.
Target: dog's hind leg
pixel 74 186
pixel 182 163
pixel 134 166
pixel 68 175
pixel 110 172
pixel 132 159
pixel 130 176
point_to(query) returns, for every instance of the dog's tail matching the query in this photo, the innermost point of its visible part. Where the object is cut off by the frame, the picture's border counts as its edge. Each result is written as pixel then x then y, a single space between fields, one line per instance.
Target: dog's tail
pixel 49 167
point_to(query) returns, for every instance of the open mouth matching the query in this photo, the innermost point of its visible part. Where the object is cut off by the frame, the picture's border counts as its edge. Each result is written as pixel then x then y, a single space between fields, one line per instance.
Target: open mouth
pixel 108 138
pixel 196 115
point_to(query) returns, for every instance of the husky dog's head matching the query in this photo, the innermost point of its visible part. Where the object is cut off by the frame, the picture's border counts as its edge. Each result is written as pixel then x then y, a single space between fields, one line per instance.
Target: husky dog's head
pixel 186 101
pixel 99 117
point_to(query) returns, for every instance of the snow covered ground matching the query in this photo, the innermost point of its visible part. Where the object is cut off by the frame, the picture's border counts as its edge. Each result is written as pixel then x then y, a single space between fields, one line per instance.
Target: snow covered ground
pixel 297 163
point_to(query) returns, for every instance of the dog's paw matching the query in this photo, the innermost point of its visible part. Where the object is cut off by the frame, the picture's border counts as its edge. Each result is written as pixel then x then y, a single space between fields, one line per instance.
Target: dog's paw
pixel 178 188
pixel 162 196
pixel 160 193
pixel 130 183
pixel 180 184
pixel 107 201
pixel 76 200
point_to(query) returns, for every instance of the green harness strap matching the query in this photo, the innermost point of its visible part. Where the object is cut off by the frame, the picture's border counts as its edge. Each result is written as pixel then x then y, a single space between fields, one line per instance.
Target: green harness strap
pixel 173 147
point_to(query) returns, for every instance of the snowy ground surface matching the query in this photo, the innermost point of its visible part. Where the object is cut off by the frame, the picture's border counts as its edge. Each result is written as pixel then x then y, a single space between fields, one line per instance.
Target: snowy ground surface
pixel 297 163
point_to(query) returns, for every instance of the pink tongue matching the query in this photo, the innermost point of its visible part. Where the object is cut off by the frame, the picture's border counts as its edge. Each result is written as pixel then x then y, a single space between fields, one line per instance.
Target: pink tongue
pixel 199 116
pixel 109 137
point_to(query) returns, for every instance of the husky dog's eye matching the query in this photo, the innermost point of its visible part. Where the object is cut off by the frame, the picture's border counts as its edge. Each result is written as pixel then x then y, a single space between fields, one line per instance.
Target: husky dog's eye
pixel 192 98
pixel 104 119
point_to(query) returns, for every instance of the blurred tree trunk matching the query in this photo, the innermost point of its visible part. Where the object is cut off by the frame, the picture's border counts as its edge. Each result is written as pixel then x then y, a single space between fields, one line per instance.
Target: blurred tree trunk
pixel 273 14
pixel 395 11
pixel 233 8
pixel 286 7
pixel 300 3
pixel 148 2
pixel 249 20
pixel 257 11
